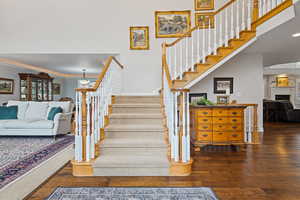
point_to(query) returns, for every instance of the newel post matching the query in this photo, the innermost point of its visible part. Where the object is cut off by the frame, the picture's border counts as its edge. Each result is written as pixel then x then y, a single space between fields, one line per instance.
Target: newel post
pixel 255 11
pixel 84 167
pixel 184 166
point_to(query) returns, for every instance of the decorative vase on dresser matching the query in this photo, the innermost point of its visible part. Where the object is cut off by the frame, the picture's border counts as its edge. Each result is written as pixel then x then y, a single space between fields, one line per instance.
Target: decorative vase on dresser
pixel 217 125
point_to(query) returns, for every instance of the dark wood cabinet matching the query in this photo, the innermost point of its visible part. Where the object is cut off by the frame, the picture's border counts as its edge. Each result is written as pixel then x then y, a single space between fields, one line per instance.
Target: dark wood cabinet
pixel 36 87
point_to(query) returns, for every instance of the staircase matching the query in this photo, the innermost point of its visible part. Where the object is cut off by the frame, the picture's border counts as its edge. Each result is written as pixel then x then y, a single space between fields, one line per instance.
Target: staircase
pixel 134 142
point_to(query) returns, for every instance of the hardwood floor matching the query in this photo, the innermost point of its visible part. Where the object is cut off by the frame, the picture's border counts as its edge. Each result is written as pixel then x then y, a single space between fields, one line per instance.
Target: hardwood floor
pixel 268 171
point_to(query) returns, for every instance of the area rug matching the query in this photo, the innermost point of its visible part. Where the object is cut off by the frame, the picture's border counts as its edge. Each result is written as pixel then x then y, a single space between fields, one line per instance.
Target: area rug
pixel 18 155
pixel 132 193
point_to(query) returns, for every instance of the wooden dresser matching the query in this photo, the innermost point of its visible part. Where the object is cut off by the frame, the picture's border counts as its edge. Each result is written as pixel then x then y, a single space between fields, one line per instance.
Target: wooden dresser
pixel 217 125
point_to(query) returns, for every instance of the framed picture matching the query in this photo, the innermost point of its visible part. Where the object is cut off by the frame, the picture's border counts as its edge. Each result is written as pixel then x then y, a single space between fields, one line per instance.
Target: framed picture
pixel 6 86
pixel 56 89
pixel 204 5
pixel 203 20
pixel 223 99
pixel 194 98
pixel 282 82
pixel 139 38
pixel 221 85
pixel 169 24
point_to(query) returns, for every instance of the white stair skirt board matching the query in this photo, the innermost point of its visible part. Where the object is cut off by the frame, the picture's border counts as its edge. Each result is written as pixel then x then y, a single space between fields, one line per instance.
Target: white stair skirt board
pixel 25 184
pixel 134 141
pixel 219 64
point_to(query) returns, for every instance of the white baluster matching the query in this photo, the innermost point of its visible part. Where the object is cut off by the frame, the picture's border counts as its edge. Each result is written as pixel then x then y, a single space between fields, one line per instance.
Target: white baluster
pixel 209 37
pixel 198 45
pixel 203 45
pixel 188 128
pixel 249 15
pixel 226 27
pixel 186 54
pixel 232 28
pixel 88 136
pixel 181 59
pixel 221 30
pixel 192 57
pixel 175 62
pixel 237 20
pixel 243 15
pixel 215 36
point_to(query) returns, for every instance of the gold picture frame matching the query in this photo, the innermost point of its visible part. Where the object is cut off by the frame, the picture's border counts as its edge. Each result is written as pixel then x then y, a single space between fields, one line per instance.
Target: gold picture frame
pixel 204 5
pixel 282 81
pixel 172 24
pixel 7 86
pixel 139 38
pixel 202 20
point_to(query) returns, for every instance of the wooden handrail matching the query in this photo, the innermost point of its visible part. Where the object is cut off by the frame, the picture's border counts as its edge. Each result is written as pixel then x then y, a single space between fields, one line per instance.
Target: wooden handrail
pixel 101 75
pixel 225 6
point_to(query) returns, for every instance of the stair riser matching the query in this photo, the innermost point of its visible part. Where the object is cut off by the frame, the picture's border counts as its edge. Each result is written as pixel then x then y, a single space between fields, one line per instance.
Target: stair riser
pixel 131 171
pixel 247 36
pixel 157 121
pixel 138 100
pixel 212 60
pixel 224 52
pixel 138 110
pixel 141 134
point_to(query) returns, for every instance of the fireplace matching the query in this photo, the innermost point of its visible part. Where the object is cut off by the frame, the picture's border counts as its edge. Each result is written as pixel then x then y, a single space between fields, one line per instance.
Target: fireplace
pixel 283 97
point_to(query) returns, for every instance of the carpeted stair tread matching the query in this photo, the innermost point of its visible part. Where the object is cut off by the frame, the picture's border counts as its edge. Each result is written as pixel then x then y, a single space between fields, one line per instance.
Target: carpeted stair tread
pixel 142 105
pixel 132 157
pixel 134 127
pixel 135 116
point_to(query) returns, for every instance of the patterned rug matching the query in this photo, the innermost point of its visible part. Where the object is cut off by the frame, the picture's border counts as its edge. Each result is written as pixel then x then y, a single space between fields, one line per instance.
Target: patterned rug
pixel 132 193
pixel 18 155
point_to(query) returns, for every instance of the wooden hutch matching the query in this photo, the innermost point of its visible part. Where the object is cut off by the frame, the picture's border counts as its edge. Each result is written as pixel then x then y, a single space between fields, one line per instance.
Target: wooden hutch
pixel 36 87
pixel 217 125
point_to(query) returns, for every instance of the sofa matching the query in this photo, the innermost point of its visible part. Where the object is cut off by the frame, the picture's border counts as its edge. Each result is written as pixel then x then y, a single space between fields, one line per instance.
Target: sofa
pixel 32 119
pixel 287 112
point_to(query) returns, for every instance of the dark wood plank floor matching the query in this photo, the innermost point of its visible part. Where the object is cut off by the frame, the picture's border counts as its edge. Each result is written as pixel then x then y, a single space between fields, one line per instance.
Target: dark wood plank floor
pixel 268 171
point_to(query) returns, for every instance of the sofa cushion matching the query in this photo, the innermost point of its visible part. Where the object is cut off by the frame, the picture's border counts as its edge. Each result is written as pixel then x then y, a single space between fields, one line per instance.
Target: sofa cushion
pixel 8 112
pixel 27 124
pixel 53 112
pixel 22 107
pixel 37 111
pixel 65 105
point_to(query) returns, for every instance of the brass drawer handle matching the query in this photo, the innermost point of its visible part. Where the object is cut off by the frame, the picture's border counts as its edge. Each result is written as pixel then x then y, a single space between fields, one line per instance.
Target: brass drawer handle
pixel 220 126
pixel 234 113
pixel 234 135
pixel 205 135
pixel 234 120
pixel 234 127
pixel 205 113
pixel 205 120
pixel 220 133
pixel 205 127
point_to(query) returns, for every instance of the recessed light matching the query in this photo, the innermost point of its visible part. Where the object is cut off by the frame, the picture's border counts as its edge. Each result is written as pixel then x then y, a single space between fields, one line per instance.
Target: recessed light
pixel 296 35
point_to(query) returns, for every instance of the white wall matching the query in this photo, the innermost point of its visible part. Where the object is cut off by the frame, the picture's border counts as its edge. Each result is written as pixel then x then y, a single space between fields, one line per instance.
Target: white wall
pixel 247 71
pixel 11 73
pixel 66 26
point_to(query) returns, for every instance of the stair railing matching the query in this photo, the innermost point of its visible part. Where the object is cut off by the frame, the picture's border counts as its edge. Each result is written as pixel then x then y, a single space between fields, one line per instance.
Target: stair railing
pixel 222 26
pixel 92 109
pixel 176 109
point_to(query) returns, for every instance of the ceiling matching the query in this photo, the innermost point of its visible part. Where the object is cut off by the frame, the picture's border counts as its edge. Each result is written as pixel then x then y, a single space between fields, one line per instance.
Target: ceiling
pixel 63 63
pixel 278 46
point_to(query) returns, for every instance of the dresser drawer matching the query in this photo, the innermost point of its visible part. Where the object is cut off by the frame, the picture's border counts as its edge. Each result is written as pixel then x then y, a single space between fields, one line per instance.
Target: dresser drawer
pixel 204 136
pixel 235 112
pixel 220 137
pixel 235 120
pixel 236 137
pixel 220 112
pixel 204 120
pixel 204 112
pixel 235 127
pixel 220 120
pixel 205 127
pixel 220 127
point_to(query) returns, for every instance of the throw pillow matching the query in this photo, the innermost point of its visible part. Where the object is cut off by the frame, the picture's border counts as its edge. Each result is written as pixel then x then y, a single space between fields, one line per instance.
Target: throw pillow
pixel 10 112
pixel 53 112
